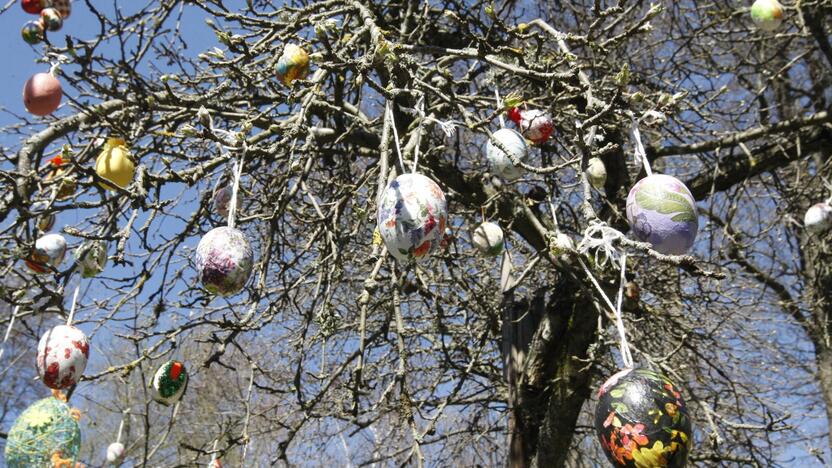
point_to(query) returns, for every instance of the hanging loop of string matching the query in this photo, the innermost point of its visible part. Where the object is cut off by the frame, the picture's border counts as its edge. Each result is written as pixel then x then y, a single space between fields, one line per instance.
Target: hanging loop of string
pixel 623 344
pixel 599 238
pixel 420 109
pixel 8 330
pixel 389 112
pixel 635 138
pixel 235 188
pixel 499 108
pixel 74 302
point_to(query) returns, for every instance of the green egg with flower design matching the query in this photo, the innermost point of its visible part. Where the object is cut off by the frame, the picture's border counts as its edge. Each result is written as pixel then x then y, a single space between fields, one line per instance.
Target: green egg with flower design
pixel 641 420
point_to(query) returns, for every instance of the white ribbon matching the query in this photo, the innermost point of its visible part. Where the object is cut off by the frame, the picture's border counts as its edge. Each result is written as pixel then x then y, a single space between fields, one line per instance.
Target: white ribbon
pixel 599 238
pixel 635 138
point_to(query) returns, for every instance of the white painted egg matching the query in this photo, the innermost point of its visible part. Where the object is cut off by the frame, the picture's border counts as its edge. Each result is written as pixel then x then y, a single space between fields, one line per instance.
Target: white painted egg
pixel 62 356
pixel 49 252
pixel 115 453
pixel 596 172
pixel 501 164
pixel 488 239
pixel 818 218
pixel 224 260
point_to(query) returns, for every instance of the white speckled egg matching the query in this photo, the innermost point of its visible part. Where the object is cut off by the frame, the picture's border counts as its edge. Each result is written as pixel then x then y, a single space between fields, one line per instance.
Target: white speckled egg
pixel 412 214
pixel 500 162
pixel 115 453
pixel 488 239
pixel 62 356
pixel 224 260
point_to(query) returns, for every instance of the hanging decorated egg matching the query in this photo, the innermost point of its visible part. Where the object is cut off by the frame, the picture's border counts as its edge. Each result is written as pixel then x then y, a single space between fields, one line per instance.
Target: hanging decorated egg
pixel 642 421
pixel 596 172
pixel 535 125
pixel 216 463
pixel 292 65
pixel 662 211
pixel 818 218
pixel 412 214
pixel 44 429
pixel 91 258
pixel 48 254
pixel 501 164
pixel 488 239
pixel 51 19
pixel 221 200
pixel 115 453
pixel 115 164
pixel 66 183
pixel 32 32
pixel 46 222
pixel 767 14
pixel 224 260
pixel 169 383
pixel 560 243
pixel 33 6
pixel 64 7
pixel 42 94
pixel 62 356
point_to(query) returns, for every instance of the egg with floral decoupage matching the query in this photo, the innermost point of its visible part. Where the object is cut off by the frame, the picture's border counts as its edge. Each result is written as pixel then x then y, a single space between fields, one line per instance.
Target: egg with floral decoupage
pixel 662 211
pixel 51 19
pixel 221 200
pixel 500 162
pixel 43 433
pixel 641 420
pixel 32 32
pixel 169 383
pixel 767 14
pixel 62 356
pixel 224 260
pixel 412 215
pixel 48 253
pixel 534 124
pixel 292 65
pixel 818 218
pixel 488 239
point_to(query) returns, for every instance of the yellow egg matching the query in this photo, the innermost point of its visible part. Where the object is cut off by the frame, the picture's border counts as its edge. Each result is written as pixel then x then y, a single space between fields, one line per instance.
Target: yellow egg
pixel 115 164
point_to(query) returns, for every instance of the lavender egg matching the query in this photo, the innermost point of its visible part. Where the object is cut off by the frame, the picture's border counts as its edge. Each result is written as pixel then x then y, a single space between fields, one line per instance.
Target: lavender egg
pixel 224 260
pixel 499 161
pixel 662 211
pixel 818 218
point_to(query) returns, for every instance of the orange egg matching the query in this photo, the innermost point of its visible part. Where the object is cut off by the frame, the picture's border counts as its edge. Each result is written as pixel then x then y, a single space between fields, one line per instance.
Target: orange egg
pixel 42 94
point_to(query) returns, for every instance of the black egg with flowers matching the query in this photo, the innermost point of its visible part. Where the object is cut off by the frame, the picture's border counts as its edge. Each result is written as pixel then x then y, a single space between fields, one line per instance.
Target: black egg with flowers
pixel 642 421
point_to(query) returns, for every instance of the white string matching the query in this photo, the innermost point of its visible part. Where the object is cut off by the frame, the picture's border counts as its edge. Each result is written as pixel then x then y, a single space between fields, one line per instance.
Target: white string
pixel 214 451
pixel 624 345
pixel 389 109
pixel 120 429
pixel 600 238
pixel 500 108
pixel 74 301
pixel 640 154
pixel 420 108
pixel 8 330
pixel 238 171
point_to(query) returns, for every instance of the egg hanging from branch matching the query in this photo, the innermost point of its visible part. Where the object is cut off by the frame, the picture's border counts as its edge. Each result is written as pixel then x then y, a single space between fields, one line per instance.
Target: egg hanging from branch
pixel 662 211
pixel 34 7
pixel 535 125
pixel 115 453
pixel 91 258
pixel 64 7
pixel 51 19
pixel 488 239
pixel 62 356
pixel 169 383
pixel 221 200
pixel 767 14
pixel 596 172
pixel 224 260
pixel 818 218
pixel 500 162
pixel 59 173
pixel 32 32
pixel 115 164
pixel 48 253
pixel 292 65
pixel 412 215
pixel 641 419
pixel 42 94
pixel 45 429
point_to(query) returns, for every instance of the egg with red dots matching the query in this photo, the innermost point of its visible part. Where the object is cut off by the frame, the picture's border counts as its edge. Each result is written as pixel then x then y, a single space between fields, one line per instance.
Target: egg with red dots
pixel 62 356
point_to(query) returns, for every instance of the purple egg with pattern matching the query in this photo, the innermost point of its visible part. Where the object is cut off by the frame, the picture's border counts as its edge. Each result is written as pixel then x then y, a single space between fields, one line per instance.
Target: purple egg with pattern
pixel 224 260
pixel 412 215
pixel 662 211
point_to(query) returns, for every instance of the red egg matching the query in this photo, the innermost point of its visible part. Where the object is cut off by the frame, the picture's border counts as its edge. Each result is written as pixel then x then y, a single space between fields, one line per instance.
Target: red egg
pixel 32 6
pixel 42 94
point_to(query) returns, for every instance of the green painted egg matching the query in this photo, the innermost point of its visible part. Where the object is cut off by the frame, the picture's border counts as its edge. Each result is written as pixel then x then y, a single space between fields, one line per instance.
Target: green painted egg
pixel 169 383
